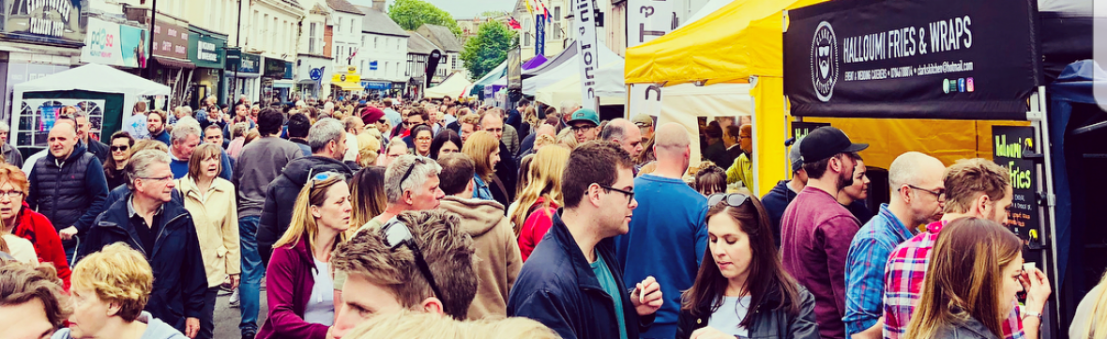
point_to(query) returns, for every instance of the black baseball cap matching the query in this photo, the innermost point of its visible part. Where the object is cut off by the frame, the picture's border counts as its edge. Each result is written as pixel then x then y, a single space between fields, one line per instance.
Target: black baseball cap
pixel 825 142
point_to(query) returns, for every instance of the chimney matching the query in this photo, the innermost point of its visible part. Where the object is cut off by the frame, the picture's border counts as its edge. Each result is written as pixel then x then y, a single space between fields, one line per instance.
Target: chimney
pixel 378 5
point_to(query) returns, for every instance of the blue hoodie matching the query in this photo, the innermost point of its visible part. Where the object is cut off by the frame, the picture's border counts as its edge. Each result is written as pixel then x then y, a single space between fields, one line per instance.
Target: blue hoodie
pixel 155 329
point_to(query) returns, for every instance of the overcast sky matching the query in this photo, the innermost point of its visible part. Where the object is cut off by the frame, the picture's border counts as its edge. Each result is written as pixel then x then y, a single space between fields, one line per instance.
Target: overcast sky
pixel 459 9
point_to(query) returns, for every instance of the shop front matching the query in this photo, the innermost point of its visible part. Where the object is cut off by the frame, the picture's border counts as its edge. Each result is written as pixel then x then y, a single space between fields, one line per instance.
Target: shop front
pixel 276 81
pixel 243 70
pixel 313 76
pixel 346 81
pixel 39 38
pixel 169 47
pixel 377 89
pixel 207 50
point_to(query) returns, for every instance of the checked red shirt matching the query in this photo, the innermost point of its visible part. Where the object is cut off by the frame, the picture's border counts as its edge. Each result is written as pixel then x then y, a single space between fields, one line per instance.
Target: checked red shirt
pixel 903 282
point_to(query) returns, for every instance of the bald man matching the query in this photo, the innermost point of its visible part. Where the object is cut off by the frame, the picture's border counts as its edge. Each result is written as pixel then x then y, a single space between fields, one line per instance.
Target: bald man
pixel 624 133
pixel 669 217
pixel 67 185
pixel 742 169
pixel 916 185
pixel 527 147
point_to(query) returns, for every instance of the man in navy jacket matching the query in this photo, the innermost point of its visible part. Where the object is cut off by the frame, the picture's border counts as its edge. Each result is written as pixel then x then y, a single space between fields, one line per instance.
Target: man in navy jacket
pixel 572 282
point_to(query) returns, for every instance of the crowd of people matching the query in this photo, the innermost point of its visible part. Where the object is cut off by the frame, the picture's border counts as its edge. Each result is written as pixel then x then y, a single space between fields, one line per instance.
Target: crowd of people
pixel 445 219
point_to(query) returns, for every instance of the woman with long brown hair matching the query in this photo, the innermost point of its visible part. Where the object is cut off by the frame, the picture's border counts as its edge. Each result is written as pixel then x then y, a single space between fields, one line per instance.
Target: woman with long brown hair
pixel 367 196
pixel 971 283
pixel 741 289
pixel 121 144
pixel 485 151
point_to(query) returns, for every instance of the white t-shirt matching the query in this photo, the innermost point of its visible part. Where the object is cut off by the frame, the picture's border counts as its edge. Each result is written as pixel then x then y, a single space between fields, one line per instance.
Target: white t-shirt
pixel 351 148
pixel 21 249
pixel 136 126
pixel 728 316
pixel 320 307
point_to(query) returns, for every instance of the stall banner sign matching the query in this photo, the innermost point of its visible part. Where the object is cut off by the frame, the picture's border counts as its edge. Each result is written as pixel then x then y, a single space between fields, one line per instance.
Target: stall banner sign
pixel 645 99
pixel 432 66
pixel 932 59
pixel 205 51
pixel 540 34
pixel 648 20
pixel 109 43
pixel 514 70
pixel 57 21
pixel 1012 143
pixel 801 129
pixel 274 68
pixel 587 50
pixel 170 40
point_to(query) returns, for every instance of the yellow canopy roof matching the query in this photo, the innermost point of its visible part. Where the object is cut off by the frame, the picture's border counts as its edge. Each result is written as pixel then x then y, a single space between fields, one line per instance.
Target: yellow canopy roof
pixel 349 86
pixel 739 40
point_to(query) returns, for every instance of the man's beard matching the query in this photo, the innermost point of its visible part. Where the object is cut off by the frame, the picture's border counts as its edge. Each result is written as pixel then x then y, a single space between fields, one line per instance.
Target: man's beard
pixel 844 182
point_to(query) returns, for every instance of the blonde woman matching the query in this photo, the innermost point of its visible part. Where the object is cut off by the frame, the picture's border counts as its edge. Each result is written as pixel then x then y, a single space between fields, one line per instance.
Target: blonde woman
pixel 301 288
pixel 110 289
pixel 567 138
pixel 541 198
pixel 484 148
pixel 1090 321
pixel 211 202
pixel 369 149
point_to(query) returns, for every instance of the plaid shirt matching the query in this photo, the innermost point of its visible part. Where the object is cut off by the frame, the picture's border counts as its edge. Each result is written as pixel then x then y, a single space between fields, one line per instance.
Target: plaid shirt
pixel 903 279
pixel 868 254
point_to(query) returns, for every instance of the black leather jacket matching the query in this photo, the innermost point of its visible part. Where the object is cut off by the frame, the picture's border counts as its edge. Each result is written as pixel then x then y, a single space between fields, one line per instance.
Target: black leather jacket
pixel 768 324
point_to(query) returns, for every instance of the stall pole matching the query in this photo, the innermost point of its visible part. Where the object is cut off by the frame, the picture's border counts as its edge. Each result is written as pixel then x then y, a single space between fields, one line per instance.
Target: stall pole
pixel 1040 119
pixel 753 121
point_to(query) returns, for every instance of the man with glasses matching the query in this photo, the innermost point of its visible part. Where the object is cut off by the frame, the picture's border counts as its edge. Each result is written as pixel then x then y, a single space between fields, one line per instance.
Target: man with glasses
pixel 668 228
pixel 572 282
pixel 816 230
pixel 67 185
pixel 419 261
pixel 917 193
pixel 585 124
pixel 150 221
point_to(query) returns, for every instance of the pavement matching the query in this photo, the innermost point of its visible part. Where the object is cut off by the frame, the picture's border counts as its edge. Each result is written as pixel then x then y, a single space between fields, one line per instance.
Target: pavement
pixel 227 318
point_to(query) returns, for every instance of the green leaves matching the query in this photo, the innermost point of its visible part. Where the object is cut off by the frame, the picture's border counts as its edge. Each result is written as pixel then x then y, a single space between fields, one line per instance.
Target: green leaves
pixel 488 49
pixel 410 14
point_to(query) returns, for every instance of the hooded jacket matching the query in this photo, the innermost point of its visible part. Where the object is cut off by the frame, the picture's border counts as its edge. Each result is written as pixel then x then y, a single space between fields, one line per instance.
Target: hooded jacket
pixel 155 329
pixel 776 201
pixel 40 232
pixel 68 191
pixel 281 194
pixel 494 240
pixel 179 277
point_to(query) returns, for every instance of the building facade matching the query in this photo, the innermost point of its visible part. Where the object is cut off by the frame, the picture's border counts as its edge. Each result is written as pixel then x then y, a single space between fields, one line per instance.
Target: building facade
pixel 384 59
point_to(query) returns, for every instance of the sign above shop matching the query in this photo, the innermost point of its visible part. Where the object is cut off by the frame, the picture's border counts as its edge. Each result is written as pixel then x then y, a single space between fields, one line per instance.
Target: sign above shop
pixel 49 20
pixel 245 62
pixel 170 40
pixel 109 43
pixel 274 68
pixel 205 51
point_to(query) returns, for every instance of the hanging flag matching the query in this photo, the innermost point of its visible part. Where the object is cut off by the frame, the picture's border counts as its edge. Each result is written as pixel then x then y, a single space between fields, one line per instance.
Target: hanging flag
pixel 529 8
pixel 587 51
pixel 514 24
pixel 350 58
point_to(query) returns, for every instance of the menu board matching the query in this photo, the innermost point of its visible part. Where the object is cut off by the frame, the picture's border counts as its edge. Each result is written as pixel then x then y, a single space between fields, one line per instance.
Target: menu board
pixel 1013 149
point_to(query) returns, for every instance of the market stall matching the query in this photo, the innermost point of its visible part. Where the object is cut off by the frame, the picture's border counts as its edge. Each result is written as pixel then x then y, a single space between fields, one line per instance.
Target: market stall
pixel 455 86
pixel 106 93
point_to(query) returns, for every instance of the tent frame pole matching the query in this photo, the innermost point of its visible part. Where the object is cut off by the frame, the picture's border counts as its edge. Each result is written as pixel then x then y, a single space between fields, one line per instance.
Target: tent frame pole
pixel 1040 120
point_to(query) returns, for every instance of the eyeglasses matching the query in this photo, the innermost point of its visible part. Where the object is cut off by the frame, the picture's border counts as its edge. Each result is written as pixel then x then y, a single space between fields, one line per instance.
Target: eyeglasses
pixel 629 194
pixel 732 200
pixel 396 234
pixel 582 127
pixel 418 159
pixel 11 194
pixel 159 179
pixel 939 193
pixel 119 148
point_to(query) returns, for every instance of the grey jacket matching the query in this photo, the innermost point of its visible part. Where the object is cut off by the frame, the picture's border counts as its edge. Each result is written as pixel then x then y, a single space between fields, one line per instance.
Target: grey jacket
pixel 258 164
pixel 769 324
pixel 12 155
pixel 155 329
pixel 969 329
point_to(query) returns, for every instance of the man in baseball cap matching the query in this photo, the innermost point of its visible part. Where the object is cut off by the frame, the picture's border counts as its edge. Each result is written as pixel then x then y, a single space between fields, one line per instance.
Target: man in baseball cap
pixel 584 123
pixel 816 230
pixel 645 125
pixel 778 199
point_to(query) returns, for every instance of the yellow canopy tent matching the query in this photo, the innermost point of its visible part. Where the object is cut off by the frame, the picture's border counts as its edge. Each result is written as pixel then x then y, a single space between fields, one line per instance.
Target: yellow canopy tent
pixel 743 43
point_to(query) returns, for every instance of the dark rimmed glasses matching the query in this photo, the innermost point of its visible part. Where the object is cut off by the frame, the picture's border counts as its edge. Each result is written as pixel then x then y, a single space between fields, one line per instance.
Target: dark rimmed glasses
pixel 732 199
pixel 939 193
pixel 396 234
pixel 629 194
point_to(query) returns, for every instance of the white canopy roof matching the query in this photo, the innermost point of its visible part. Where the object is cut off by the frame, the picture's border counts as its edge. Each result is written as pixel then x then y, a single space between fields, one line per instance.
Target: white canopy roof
pixel 453 87
pixel 609 87
pixel 95 78
pixel 568 69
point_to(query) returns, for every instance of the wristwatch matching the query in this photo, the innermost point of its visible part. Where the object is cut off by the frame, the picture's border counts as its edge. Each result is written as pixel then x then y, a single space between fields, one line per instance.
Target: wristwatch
pixel 1026 314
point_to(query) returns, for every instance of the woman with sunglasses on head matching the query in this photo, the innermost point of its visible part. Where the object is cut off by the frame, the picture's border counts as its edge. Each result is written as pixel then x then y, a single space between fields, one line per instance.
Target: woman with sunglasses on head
pixel 121 144
pixel 741 289
pixel 485 151
pixel 971 288
pixel 211 202
pixel 422 136
pixel 301 288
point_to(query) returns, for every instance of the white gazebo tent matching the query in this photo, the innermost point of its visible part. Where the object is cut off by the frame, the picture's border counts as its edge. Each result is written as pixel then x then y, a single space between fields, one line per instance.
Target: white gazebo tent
pixel 454 86
pixel 115 90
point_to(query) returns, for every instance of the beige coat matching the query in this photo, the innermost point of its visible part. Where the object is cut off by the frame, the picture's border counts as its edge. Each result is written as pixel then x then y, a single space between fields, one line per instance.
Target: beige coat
pixel 498 258
pixel 216 220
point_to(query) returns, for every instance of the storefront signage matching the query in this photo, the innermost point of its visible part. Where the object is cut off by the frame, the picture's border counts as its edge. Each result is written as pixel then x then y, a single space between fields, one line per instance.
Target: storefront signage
pixel 205 51
pixel 49 19
pixel 109 43
pixel 586 48
pixel 246 62
pixel 376 85
pixel 1012 149
pixel 354 79
pixel 933 59
pixel 274 68
pixel 170 40
pixel 649 19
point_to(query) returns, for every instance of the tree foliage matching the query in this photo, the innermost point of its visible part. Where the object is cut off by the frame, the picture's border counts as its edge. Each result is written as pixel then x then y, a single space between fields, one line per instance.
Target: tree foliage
pixel 488 49
pixel 410 14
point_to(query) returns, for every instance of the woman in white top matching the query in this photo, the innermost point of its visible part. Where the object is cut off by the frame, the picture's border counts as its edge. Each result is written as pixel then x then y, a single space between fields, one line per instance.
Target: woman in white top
pixel 211 202
pixel 301 288
pixel 1090 321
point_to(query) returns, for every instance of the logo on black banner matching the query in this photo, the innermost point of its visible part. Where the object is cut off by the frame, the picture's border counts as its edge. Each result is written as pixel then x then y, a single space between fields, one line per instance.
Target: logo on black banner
pixel 824 61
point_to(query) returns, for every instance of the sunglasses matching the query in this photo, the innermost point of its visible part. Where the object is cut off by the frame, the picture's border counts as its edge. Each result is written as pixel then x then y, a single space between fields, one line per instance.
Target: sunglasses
pixel 396 234
pixel 418 159
pixel 732 200
pixel 119 148
pixel 321 177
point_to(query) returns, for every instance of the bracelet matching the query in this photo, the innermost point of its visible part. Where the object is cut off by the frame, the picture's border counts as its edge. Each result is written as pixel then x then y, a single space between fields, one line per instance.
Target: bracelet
pixel 1026 314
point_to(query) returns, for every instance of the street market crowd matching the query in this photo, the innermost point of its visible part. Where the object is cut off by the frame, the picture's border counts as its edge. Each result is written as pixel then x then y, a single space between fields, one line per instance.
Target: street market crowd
pixel 385 218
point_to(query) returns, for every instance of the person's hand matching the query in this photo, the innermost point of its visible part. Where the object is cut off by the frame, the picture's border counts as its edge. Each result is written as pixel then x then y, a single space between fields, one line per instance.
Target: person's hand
pixel 647 296
pixel 709 333
pixel 68 232
pixel 1038 291
pixel 234 280
pixel 192 327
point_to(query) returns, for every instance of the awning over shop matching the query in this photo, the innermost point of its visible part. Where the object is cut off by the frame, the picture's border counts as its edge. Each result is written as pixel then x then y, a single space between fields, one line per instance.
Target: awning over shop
pixel 348 86
pixel 283 83
pixel 174 62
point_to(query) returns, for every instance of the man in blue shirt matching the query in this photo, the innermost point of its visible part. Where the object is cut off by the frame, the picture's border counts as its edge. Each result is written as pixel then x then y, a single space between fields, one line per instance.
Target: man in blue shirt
pixel 917 191
pixel 668 235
